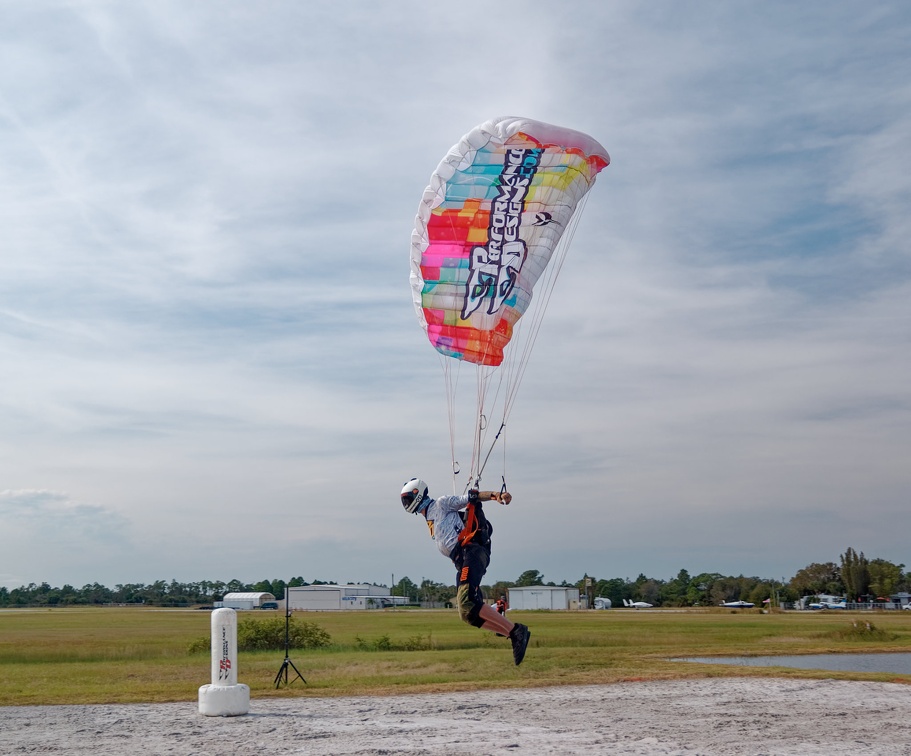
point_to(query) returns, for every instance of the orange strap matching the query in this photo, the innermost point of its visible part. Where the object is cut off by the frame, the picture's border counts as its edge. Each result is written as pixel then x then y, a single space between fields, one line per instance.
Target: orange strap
pixel 471 525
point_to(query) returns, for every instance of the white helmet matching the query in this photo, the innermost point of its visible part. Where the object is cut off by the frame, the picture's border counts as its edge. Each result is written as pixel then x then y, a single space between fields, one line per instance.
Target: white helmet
pixel 413 494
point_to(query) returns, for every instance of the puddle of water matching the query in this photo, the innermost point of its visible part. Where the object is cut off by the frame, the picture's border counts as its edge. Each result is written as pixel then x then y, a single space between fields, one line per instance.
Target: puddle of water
pixel 889 662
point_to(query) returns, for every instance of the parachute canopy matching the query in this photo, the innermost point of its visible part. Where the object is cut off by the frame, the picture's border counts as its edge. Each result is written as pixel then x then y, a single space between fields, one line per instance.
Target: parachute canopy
pixel 487 227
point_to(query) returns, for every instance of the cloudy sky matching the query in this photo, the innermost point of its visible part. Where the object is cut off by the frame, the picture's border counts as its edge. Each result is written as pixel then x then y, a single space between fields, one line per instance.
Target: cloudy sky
pixel 210 367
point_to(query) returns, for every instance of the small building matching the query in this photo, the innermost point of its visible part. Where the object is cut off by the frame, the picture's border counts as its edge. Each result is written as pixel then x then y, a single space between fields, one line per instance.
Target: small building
pixel 244 600
pixel 329 598
pixel 544 597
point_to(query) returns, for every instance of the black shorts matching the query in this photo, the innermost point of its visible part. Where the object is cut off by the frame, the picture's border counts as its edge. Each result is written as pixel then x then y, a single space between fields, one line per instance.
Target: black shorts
pixel 471 563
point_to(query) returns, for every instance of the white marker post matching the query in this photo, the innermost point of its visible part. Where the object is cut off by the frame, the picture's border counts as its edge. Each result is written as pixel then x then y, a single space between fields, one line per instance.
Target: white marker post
pixel 224 697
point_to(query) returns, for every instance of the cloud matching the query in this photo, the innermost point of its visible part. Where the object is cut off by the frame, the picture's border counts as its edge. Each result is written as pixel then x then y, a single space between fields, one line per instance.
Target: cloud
pixel 205 322
pixel 67 533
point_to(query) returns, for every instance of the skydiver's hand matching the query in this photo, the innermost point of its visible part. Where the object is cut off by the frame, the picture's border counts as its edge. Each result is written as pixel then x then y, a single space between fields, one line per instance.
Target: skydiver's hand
pixel 504 498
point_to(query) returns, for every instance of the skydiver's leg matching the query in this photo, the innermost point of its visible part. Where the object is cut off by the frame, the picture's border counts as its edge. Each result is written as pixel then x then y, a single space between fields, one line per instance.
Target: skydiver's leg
pixel 472 607
pixel 494 621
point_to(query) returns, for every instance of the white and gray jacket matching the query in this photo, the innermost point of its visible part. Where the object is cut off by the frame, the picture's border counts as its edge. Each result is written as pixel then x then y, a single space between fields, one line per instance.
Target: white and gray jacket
pixel 444 521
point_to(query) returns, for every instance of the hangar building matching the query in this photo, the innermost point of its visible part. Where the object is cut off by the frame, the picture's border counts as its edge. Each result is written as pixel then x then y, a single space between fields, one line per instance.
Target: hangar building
pixel 244 600
pixel 318 598
pixel 543 597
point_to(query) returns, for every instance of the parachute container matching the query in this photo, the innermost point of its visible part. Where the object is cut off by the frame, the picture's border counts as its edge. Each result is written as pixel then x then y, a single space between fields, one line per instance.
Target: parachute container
pixel 487 227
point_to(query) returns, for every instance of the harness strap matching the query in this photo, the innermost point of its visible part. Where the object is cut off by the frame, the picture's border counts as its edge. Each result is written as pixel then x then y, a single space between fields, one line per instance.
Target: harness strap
pixel 471 525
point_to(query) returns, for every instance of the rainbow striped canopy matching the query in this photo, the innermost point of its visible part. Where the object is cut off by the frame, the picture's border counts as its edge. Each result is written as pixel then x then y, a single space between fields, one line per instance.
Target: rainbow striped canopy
pixel 487 226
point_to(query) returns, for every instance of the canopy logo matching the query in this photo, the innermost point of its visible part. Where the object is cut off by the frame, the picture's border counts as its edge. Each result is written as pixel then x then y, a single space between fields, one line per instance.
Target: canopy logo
pixel 494 268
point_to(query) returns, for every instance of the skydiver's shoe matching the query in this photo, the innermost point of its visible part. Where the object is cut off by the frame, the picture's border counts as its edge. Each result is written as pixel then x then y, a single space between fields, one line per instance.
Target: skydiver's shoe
pixel 519 637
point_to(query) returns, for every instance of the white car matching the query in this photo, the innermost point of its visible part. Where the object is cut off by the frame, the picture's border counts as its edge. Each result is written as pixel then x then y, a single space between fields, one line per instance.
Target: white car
pixel 907 606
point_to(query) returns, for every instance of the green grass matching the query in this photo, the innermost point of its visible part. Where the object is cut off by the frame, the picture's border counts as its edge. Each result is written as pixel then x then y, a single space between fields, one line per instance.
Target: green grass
pixel 116 655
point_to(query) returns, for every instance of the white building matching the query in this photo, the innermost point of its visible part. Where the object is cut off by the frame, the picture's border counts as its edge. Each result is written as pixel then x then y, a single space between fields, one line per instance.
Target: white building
pixel 244 600
pixel 325 598
pixel 543 597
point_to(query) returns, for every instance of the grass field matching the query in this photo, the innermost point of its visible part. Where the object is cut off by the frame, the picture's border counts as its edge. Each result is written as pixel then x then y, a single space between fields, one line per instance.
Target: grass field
pixel 119 655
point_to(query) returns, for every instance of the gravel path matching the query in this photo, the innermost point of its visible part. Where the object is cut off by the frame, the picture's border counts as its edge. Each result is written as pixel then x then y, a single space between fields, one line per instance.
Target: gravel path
pixel 718 716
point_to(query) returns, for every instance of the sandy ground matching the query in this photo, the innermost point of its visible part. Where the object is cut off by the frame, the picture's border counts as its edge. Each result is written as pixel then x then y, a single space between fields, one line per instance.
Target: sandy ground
pixel 719 716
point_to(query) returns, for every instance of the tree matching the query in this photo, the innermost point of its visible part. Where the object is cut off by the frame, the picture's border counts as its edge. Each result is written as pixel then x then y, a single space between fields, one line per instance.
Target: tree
pixel 530 577
pixel 884 576
pixel 97 594
pixel 855 574
pixel 278 588
pixel 650 591
pixel 723 589
pixel 615 589
pixel 700 588
pixel 818 578
pixel 436 593
pixel 405 587
pixel 674 592
pixel 500 588
pixel 764 589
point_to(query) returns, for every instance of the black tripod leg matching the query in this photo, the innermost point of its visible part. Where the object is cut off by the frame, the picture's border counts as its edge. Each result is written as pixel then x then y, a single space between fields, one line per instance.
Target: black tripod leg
pixel 291 663
pixel 282 669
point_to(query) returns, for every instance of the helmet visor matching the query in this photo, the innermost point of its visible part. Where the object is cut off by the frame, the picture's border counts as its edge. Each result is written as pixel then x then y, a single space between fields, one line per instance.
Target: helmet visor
pixel 411 500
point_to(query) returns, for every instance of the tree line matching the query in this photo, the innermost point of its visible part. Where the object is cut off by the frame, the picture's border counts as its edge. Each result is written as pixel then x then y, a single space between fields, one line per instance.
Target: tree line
pixel 855 576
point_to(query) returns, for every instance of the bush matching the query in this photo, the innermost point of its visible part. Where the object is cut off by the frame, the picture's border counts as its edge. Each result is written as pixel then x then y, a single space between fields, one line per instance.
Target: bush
pixel 269 635
pixel 417 643
pixel 861 630
pixel 384 643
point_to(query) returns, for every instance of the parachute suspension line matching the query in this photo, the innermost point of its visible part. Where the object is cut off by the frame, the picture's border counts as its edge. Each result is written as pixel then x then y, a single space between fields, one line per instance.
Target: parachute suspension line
pixel 485 406
pixel 525 334
pixel 549 281
pixel 503 476
pixel 491 400
pixel 483 375
pixel 490 451
pixel 451 388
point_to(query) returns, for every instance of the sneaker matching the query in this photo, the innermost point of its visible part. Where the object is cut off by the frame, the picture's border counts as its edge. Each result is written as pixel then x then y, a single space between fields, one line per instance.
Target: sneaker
pixel 519 637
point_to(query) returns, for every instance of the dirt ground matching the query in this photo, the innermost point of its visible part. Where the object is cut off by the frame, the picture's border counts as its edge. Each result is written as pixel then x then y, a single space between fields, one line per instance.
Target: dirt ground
pixel 718 716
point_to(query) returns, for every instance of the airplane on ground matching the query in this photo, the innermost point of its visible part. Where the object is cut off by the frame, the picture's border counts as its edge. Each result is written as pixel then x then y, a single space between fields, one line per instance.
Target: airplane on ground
pixel 738 604
pixel 636 604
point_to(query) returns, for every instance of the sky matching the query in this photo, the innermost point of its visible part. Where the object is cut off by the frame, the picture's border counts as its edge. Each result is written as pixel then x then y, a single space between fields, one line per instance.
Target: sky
pixel 211 368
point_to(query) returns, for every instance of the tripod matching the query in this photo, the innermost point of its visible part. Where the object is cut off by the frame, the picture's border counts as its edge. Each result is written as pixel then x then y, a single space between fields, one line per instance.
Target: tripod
pixel 283 670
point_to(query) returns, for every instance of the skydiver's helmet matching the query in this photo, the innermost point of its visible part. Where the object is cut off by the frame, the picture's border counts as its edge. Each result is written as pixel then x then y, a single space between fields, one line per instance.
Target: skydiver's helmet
pixel 413 494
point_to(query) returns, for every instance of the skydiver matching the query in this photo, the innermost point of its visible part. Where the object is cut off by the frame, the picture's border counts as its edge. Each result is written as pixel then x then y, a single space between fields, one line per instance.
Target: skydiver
pixel 462 533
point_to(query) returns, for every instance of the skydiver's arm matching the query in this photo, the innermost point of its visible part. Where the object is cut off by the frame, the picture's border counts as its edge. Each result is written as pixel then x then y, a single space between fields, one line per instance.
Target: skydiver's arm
pixel 504 498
